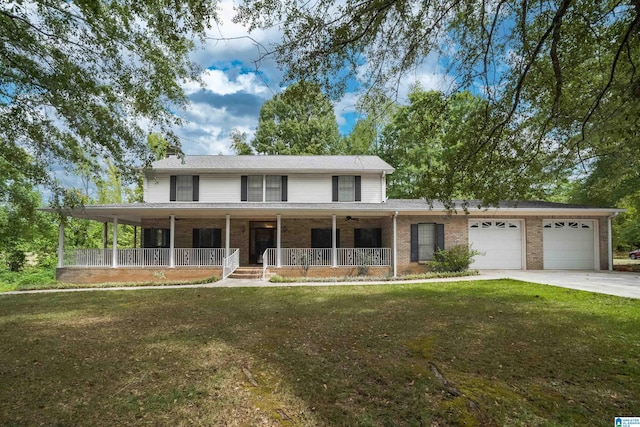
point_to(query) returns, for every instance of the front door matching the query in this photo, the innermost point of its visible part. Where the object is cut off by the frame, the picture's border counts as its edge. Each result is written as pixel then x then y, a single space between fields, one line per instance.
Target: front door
pixel 262 236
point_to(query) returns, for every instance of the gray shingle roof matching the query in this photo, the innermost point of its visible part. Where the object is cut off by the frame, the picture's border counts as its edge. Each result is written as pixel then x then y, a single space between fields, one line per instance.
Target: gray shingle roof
pixel 475 205
pixel 276 163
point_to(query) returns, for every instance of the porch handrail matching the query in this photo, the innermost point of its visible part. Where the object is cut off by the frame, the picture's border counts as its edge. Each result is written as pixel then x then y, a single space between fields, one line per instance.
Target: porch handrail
pixel 357 257
pixel 87 258
pixel 199 257
pixel 230 263
pixel 268 259
pixel 143 257
pixel 321 257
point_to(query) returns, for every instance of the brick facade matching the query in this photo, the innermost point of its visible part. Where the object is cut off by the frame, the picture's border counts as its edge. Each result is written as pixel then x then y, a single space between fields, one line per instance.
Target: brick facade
pixel 157 275
pixel 296 233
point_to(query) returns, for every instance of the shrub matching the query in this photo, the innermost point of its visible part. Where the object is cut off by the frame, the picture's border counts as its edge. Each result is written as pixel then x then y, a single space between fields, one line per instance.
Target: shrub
pixel 456 258
pixel 16 258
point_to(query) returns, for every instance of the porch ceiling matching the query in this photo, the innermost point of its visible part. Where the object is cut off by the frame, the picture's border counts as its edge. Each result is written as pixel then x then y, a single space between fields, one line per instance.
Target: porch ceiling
pixel 132 214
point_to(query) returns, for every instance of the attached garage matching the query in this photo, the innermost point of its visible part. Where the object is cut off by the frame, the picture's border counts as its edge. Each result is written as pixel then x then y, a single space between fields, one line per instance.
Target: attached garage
pixel 569 244
pixel 500 242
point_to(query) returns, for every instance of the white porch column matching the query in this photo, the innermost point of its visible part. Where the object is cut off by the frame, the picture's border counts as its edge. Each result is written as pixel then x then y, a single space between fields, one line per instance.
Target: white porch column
pixel 395 245
pixel 334 246
pixel 114 244
pixel 172 236
pixel 278 240
pixel 610 241
pixel 227 235
pixel 61 245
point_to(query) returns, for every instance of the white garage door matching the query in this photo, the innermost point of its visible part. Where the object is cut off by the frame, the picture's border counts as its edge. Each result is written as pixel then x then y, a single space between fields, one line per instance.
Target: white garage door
pixel 500 241
pixel 568 244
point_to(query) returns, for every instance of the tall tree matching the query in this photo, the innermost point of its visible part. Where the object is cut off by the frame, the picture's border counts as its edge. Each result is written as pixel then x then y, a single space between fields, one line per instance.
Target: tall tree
pixel 239 143
pixel 426 139
pixel 299 120
pixel 77 76
pixel 23 229
pixel 561 73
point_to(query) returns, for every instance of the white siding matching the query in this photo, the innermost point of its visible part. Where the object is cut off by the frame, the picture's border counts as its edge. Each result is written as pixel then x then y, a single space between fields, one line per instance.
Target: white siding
pixel 156 189
pixel 220 188
pixel 225 188
pixel 370 189
pixel 310 188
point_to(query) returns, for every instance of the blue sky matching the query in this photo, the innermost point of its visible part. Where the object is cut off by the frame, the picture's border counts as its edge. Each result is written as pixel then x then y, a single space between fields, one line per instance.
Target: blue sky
pixel 234 89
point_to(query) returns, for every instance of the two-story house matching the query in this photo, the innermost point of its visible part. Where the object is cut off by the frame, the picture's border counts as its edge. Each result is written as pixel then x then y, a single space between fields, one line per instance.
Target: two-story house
pixel 319 215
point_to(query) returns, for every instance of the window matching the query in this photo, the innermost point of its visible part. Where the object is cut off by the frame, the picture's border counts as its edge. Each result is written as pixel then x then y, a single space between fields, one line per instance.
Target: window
pixel 258 188
pixel 321 238
pixel 426 241
pixel 254 188
pixel 426 238
pixel 367 238
pixel 184 188
pixel 274 188
pixel 156 237
pixel 346 188
pixel 207 238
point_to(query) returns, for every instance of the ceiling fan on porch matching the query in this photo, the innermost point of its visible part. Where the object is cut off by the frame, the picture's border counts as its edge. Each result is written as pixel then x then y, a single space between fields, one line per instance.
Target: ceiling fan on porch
pixel 350 218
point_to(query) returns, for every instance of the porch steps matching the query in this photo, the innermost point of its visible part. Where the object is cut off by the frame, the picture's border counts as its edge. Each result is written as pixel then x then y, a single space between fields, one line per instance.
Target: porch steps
pixel 246 273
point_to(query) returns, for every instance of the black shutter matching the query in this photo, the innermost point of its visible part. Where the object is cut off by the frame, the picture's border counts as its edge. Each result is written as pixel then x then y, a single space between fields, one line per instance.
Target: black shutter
pixel 378 237
pixel 196 188
pixel 358 189
pixel 335 189
pixel 243 188
pixel 146 238
pixel 217 237
pixel 414 243
pixel 440 236
pixel 284 188
pixel 172 189
pixel 356 238
pixel 196 238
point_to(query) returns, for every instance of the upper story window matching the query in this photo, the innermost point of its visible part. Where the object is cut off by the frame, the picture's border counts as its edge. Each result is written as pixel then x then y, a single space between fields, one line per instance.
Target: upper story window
pixel 184 188
pixel 346 188
pixel 259 188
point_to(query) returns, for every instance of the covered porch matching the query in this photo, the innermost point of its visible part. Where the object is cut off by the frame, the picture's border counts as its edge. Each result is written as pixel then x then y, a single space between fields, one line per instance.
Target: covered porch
pixel 208 240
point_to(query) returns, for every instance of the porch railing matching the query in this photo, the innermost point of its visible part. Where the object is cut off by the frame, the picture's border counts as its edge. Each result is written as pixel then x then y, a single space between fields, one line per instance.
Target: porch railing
pixel 322 257
pixel 202 257
pixel 88 258
pixel 144 257
pixel 230 263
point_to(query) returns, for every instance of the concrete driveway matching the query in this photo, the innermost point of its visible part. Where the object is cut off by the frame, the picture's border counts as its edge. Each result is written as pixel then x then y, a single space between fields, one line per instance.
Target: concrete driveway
pixel 620 283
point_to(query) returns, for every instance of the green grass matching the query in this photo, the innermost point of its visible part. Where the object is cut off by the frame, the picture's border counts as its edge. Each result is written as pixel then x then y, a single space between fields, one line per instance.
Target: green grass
pixel 512 353
pixel 29 278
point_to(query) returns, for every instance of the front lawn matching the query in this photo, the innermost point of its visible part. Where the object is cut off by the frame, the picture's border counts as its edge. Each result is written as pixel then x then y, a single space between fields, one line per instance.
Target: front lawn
pixel 465 353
